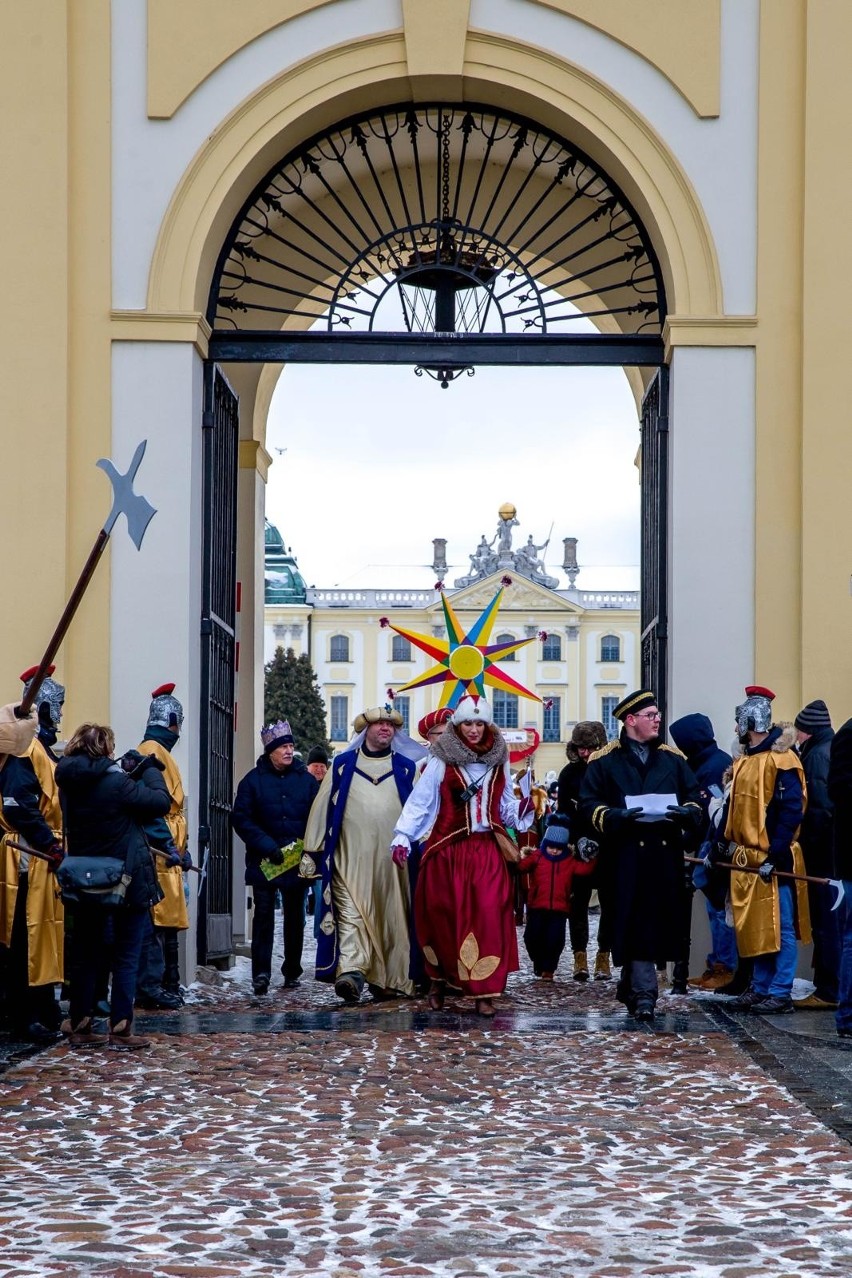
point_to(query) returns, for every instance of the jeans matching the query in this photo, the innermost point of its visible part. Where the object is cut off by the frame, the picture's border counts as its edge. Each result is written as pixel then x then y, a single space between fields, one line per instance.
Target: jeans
pixel 724 939
pixel 263 929
pixel 152 967
pixel 843 1017
pixel 774 973
pixel 89 938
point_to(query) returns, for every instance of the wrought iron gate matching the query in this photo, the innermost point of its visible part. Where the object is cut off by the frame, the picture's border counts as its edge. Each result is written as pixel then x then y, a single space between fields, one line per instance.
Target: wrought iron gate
pixel 655 465
pixel 220 424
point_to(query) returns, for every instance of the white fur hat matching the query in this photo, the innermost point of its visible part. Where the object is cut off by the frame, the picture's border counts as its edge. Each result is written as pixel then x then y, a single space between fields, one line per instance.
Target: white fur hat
pixel 473 710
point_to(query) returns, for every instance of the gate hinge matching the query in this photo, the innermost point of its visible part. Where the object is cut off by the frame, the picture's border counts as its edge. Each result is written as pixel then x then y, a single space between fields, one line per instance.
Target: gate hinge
pixel 206 626
pixel 207 419
pixel 663 423
pixel 203 835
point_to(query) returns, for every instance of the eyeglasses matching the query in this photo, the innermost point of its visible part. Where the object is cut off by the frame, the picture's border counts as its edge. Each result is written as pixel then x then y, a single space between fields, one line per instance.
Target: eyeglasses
pixel 653 715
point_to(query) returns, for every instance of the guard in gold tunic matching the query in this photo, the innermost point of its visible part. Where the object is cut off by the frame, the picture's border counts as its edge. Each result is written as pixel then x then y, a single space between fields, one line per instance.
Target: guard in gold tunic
pixel 765 809
pixel 159 971
pixel 31 913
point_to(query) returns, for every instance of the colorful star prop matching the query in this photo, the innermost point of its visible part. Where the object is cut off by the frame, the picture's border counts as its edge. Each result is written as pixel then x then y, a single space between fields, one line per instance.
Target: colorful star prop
pixel 465 662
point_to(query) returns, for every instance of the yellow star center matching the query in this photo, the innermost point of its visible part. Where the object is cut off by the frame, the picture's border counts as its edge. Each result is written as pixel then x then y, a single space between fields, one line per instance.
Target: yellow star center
pixel 466 662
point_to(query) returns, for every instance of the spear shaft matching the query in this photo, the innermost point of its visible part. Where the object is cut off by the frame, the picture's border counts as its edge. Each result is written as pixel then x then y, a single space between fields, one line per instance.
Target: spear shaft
pixel 753 869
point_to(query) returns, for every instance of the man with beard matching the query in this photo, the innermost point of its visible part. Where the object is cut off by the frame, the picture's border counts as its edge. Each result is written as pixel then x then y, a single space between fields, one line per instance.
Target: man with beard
pixel 645 856
pixel 364 904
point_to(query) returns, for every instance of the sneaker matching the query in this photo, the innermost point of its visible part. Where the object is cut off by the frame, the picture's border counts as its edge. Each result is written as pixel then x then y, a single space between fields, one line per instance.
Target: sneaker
pixel 349 986
pixel 813 1003
pixel 844 1033
pixel 159 1002
pixel 747 1002
pixel 581 966
pixel 122 1038
pixel 774 1005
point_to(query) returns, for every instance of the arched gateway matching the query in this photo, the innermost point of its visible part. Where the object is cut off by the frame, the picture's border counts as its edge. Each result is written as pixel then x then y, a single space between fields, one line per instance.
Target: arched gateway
pixel 439 235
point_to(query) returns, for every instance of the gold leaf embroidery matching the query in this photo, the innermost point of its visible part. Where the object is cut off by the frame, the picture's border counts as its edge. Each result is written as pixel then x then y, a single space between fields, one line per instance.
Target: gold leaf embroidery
pixel 469 951
pixel 482 969
pixel 430 955
pixel 327 925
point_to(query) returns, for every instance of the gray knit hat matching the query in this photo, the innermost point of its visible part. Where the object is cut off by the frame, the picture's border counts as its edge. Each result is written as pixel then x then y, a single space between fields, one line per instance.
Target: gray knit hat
pixel 813 718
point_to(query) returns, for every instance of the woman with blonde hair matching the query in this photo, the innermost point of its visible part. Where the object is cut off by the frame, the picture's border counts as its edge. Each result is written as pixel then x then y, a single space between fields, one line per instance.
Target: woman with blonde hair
pixel 104 810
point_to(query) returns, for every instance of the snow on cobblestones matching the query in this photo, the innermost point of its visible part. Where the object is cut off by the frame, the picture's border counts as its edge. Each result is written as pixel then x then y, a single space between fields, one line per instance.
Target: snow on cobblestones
pixel 382 1152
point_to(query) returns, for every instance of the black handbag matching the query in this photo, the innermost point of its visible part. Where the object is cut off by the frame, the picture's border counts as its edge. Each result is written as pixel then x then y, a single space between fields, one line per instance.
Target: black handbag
pixel 92 880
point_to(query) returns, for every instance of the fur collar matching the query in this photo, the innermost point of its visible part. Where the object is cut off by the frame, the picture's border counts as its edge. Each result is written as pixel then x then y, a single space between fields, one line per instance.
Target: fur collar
pixel 451 749
pixel 787 739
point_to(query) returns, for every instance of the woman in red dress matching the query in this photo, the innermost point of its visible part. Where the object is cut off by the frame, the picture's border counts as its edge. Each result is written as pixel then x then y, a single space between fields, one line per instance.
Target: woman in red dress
pixel 463 908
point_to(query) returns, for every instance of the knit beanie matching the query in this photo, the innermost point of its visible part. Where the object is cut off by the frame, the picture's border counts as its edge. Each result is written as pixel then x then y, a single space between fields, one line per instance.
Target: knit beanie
pixel 558 832
pixel 318 755
pixel 813 718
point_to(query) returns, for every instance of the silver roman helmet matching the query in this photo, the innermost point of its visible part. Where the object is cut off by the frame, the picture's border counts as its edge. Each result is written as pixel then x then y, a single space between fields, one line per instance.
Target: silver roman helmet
pixel 755 713
pixel 166 711
pixel 51 695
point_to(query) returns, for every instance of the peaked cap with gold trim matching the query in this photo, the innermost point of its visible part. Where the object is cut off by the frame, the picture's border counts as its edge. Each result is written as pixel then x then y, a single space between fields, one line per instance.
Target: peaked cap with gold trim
pixel 634 703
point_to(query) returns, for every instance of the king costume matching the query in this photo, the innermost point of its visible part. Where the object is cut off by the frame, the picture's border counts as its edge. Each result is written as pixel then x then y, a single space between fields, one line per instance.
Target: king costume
pixel 364 901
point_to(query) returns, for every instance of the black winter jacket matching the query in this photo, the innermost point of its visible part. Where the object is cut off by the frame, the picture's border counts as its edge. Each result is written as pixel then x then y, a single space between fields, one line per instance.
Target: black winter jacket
pixel 815 835
pixel 271 810
pixel 105 810
pixel 840 794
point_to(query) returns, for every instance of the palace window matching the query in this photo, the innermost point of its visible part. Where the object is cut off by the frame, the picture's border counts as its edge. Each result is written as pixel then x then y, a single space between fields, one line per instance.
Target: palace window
pixel 505 709
pixel 510 656
pixel 338 648
pixel 611 724
pixel 551 650
pixel 552 718
pixel 610 648
pixel 403 706
pixel 400 649
pixel 339 715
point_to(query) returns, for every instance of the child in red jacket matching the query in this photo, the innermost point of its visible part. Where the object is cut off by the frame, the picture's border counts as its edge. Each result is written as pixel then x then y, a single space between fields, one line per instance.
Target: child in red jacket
pixel 551 870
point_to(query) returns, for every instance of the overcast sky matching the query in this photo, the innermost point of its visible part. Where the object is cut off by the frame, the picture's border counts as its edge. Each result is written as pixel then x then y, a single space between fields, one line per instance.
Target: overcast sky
pixel 379 461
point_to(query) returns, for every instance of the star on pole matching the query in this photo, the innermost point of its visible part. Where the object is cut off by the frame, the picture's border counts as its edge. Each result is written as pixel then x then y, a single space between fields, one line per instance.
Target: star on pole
pixel 465 663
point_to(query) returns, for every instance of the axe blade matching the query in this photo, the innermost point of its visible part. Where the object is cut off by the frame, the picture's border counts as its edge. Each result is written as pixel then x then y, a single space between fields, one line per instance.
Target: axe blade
pixel 136 509
pixel 837 884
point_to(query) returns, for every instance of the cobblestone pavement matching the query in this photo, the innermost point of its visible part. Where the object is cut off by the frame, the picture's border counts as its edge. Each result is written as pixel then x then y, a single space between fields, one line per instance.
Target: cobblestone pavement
pixel 554 1141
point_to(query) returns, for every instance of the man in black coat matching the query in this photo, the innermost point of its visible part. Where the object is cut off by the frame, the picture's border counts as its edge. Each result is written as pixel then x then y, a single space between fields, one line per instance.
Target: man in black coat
pixel 271 811
pixel 646 855
pixel 815 735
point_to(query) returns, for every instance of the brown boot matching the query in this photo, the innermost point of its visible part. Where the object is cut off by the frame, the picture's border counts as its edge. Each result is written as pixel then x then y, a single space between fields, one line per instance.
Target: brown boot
pixel 484 1007
pixel 85 1035
pixel 603 971
pixel 581 966
pixel 122 1038
pixel 715 976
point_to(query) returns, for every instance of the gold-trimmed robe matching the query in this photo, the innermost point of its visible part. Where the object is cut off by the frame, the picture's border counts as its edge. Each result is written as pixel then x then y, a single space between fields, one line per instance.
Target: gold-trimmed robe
pixel 171 911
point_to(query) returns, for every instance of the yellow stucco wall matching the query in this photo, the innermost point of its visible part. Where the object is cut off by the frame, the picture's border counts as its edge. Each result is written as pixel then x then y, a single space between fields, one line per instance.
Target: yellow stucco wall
pixel 55 223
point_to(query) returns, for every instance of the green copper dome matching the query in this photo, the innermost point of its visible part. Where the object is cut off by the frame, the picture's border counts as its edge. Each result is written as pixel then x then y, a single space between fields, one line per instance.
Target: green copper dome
pixel 283 583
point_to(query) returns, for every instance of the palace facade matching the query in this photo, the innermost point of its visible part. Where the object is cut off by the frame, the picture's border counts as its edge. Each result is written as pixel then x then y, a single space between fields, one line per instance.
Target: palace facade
pixel 583 658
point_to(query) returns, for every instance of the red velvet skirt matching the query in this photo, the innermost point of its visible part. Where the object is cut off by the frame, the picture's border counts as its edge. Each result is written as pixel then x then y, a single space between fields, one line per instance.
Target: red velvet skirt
pixel 464 916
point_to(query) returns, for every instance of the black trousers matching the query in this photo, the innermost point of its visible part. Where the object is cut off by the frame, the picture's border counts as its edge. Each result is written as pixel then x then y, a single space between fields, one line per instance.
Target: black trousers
pixel 578 919
pixel 544 937
pixel 263 930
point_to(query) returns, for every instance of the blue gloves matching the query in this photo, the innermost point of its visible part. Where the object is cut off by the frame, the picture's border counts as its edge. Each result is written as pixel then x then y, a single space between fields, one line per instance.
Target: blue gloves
pixel 766 871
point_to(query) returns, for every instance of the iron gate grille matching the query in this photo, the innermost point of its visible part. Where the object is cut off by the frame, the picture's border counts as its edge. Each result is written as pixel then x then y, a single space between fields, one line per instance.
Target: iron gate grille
pixel 654 582
pixel 218 614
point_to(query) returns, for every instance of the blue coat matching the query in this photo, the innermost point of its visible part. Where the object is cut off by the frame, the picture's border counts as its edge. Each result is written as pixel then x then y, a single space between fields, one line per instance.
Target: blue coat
pixel 342 772
pixel 271 810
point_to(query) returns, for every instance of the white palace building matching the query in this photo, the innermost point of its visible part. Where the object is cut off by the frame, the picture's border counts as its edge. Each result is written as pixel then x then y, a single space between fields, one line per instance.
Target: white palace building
pixel 583 659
